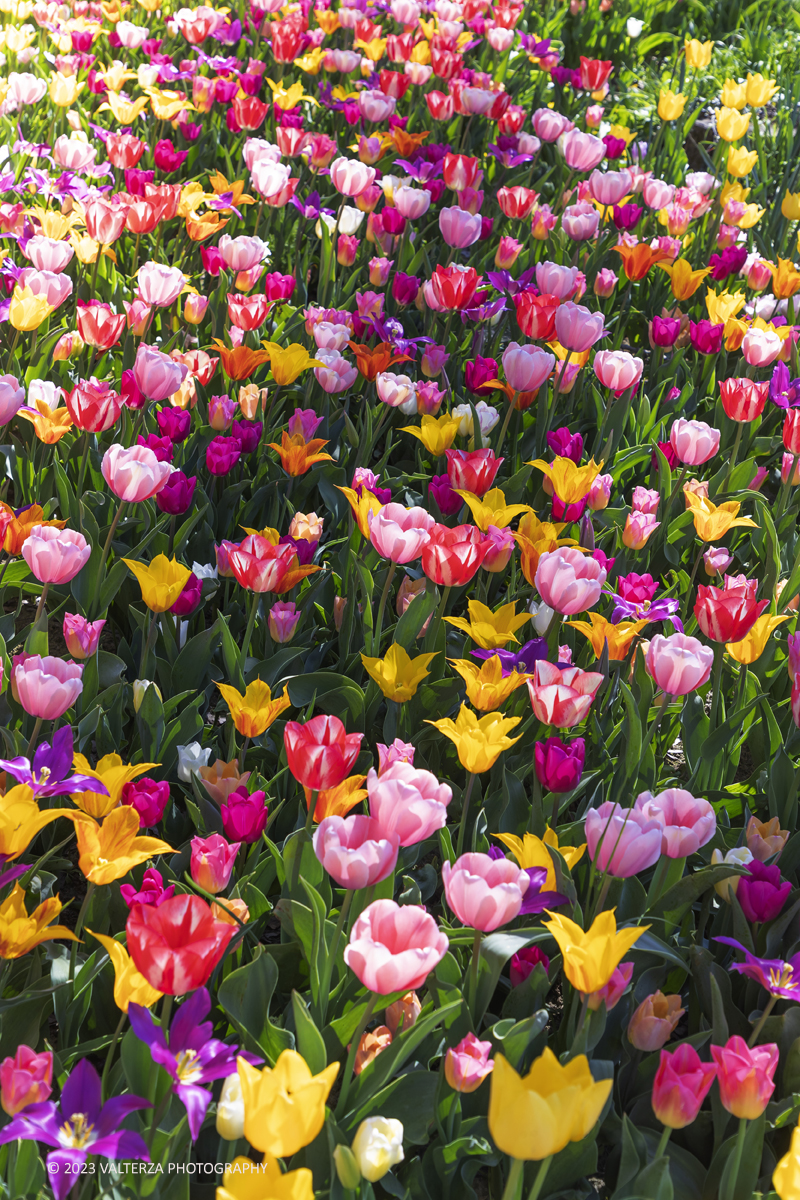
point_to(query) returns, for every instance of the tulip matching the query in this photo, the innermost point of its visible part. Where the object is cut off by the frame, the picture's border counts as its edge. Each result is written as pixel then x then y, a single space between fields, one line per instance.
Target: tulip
pixel 55 555
pixel 47 686
pixel 765 839
pixel 623 842
pixel 536 1116
pixel 688 823
pixel 743 399
pixel 654 1021
pixel 581 151
pixel 761 893
pixel 284 1106
pixel 400 534
pixel 319 752
pixel 568 581
pixel 682 1082
pixel 618 370
pixel 230 1110
pixel 177 494
pixel 393 948
pixel 639 528
pixel 527 367
pixel 21 931
pixel 525 962
pixel 468 1064
pixel 82 637
pixel 577 328
pixel 678 664
pixel 134 474
pixel 480 741
pixel 727 614
pixel 177 944
pixel 562 696
pixel 484 893
pixel 745 1076
pixel 149 799
pixel 559 764
pixel 212 861
pixel 397 675
pixel 377 1147
pixel 25 1079
pixel 356 851
pixel 161 582
pixel 157 375
pixel 407 803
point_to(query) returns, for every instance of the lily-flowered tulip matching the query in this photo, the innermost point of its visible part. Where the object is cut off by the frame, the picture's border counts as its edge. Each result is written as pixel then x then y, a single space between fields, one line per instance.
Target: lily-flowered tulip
pixel 490 629
pixel 255 711
pixel 20 932
pixel 479 742
pixel 108 851
pixel 130 986
pixel 590 958
pixel 397 674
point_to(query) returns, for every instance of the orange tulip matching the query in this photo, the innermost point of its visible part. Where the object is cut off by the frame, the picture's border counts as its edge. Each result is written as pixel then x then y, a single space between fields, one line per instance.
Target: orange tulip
pixel 638 259
pixel 370 363
pixel 297 455
pixel 240 362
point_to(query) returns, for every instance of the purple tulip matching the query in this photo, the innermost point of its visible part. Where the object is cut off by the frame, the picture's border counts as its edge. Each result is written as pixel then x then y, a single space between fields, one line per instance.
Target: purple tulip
pixel 780 977
pixel 81 1126
pixel 535 900
pixel 177 494
pixel 189 598
pixel 150 799
pixel 174 423
pixel 478 373
pixel 664 331
pixel 405 288
pixel 222 454
pixel 524 660
pixel 446 499
pixel 152 890
pixel 162 447
pixel 244 817
pixel 559 765
pixel 49 774
pixel 705 337
pixel 761 893
pixel 729 262
pixel 566 445
pixel 249 434
pixel 625 216
pixel 526 961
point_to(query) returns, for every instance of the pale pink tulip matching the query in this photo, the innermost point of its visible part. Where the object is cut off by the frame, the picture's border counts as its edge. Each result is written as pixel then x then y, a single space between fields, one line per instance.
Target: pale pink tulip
pixel 400 533
pixel 355 850
pixel 609 187
pixel 407 802
pixel 412 203
pixel 351 177
pixel 396 390
pixel 577 328
pixel 394 948
pixel 157 376
pixel 694 442
pixel 761 347
pixel 336 374
pixel 134 474
pixel 241 253
pixel 617 370
pixel 459 228
pixel 645 500
pixel 47 254
pixel 55 555
pixel 555 280
pixel 550 125
pixel 484 892
pixel 568 581
pixel 688 823
pixel 622 841
pixel 47 686
pixel 679 664
pixel 159 284
pixel 527 367
pixel 581 151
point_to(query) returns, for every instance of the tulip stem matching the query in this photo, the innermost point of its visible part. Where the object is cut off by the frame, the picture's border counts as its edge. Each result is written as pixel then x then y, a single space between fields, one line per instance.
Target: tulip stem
pixel 34 737
pixel 248 634
pixel 104 556
pixel 734 454
pixel 506 422
pixel 515 1176
pixel 40 605
pixel 474 968
pixel 716 684
pixel 692 578
pixel 433 632
pixel 759 1025
pixel 541 1175
pixel 341 1107
pixel 738 1150
pixel 327 971
pixel 376 637
pixel 464 810
pixel 84 909
pixel 651 733
pixel 662 1145
pixel 110 1055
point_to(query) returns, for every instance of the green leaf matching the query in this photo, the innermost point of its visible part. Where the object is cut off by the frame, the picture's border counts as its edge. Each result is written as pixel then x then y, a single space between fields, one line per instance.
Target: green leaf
pixel 331 692
pixel 309 1038
pixel 245 996
pixel 391 1060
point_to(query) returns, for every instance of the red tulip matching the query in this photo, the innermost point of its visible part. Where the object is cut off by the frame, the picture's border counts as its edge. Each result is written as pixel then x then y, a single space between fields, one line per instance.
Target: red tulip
pixel 452 556
pixel 727 615
pixel 178 944
pixel 743 399
pixel 98 325
pixel 320 754
pixel 454 286
pixel 248 312
pixel 440 106
pixel 791 431
pixel 516 201
pixel 249 111
pixel 536 315
pixel 460 171
pixel 473 470
pixel 259 566
pixel 594 72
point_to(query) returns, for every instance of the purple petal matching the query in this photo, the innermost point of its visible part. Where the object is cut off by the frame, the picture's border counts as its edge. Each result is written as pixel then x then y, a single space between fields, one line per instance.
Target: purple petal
pixel 13 873
pixel 539 901
pixel 145 1027
pixel 115 1111
pixel 196 1101
pixel 37 1123
pixel 64 1170
pixel 187 1018
pixel 82 1092
pixel 125 1144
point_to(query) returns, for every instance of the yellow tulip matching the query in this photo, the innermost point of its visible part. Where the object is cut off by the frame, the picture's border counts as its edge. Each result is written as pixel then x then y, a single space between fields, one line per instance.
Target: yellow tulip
pixel 312 62
pixel 20 932
pixel 759 90
pixel 246 1180
pixel 130 986
pixel 790 206
pixel 113 774
pixel 535 538
pixel 741 161
pixel 534 1117
pixel 751 647
pixel 488 629
pixel 683 279
pixel 64 89
pixel 733 95
pixel 591 958
pixel 487 688
pixel 116 76
pixel 166 104
pixel 109 851
pixel 750 217
pixel 255 711
pixel 572 855
pixel 723 305
pixel 621 132
pixel 492 509
pixel 21 820
pixel 479 742
pixel 288 363
pixel 421 53
pixel 712 521
pixel 732 125
pixel 785 279
pixel 362 505
pixel 437 434
pixel 220 185
pixel 698 54
pixel 125 112
pixel 284 1106
pixel 162 581
pixel 599 631
pixel 670 104
pixel 287 97
pixel 27 310
pixel 570 482
pixel 786 1176
pixel 396 674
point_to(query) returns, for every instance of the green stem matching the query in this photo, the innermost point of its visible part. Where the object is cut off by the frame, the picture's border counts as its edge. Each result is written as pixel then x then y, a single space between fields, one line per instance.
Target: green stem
pixel 34 737
pixel 662 1145
pixel 515 1175
pixel 464 810
pixel 248 635
pixel 312 804
pixel 759 1025
pixel 506 423
pixel 110 1055
pixel 541 1175
pixel 716 685
pixel 734 453
pixel 84 462
pixel 73 954
pixel 738 1150
pixel 474 967
pixel 433 632
pixel 376 637
pixel 347 1078
pixel 327 972
pixel 104 557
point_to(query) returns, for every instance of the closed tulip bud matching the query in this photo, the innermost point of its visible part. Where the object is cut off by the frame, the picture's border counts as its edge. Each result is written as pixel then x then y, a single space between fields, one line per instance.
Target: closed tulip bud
pixel 139 688
pixel 716 560
pixel 402 1014
pixel 194 308
pixel 639 528
pixel 230 1110
pixel 681 1084
pixel 81 636
pixel 468 1064
pixel 283 619
pixel 25 1079
pixel 212 860
pixel 654 1021
pixel 765 839
pixel 378 1146
pixel 347 1168
pixel 604 283
pixel 373 1042
pixel 739 857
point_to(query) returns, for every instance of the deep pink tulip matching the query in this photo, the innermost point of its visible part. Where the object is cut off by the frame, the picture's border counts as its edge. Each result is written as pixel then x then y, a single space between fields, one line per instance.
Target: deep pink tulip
pixel 55 555
pixel 761 892
pixel 25 1079
pixel 394 948
pixel 355 850
pixel 568 581
pixel 745 1076
pixel 409 803
pixel 679 664
pixel 82 636
pixel 623 841
pixel 399 751
pixel 468 1064
pixel 484 892
pixel 681 1084
pixel 47 686
pixel 688 822
pixel 212 862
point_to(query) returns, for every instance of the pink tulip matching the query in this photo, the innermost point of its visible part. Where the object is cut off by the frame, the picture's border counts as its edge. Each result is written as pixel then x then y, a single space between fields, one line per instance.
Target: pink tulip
pixel 468 1064
pixel 394 948
pixel 617 370
pixel 688 823
pixel 657 194
pixel 717 559
pixel 241 253
pixel 639 528
pixel 212 860
pixel 550 125
pixel 399 751
pixel 459 228
pixel 397 391
pixel 47 254
pixel 134 474
pixel 622 841
pixel 678 664
pixel 527 367
pixel 562 695
pixel 82 636
pixel 654 1022
pixel 555 280
pixel 283 619
pixel 645 500
pixel 157 375
pixel 55 555
pixel 577 328
pixel 47 686
pixel 336 374
pixel 681 1084
pixel 568 581
pixel 411 203
pixel 612 992
pixel 350 177
pixel 12 397
pixel 73 155
pixel 604 283
pixel 409 803
pixel 159 284
pixel 745 1076
pixel 399 533
pixel 25 1079
pixel 600 493
pixel 330 335
pixel 374 106
pixel 53 287
pixel 484 892
pixel 761 347
pixel 355 850
pixel 581 151
pixel 609 187
pixel 269 178
pixel 694 442
pixel 581 222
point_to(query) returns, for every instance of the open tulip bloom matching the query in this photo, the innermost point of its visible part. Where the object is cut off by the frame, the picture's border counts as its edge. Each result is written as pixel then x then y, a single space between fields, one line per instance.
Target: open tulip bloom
pixel 399 574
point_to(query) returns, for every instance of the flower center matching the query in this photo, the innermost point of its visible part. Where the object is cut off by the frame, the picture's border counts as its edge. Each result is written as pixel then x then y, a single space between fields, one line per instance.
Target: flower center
pixel 44 775
pixel 782 978
pixel 76 1133
pixel 186 1066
